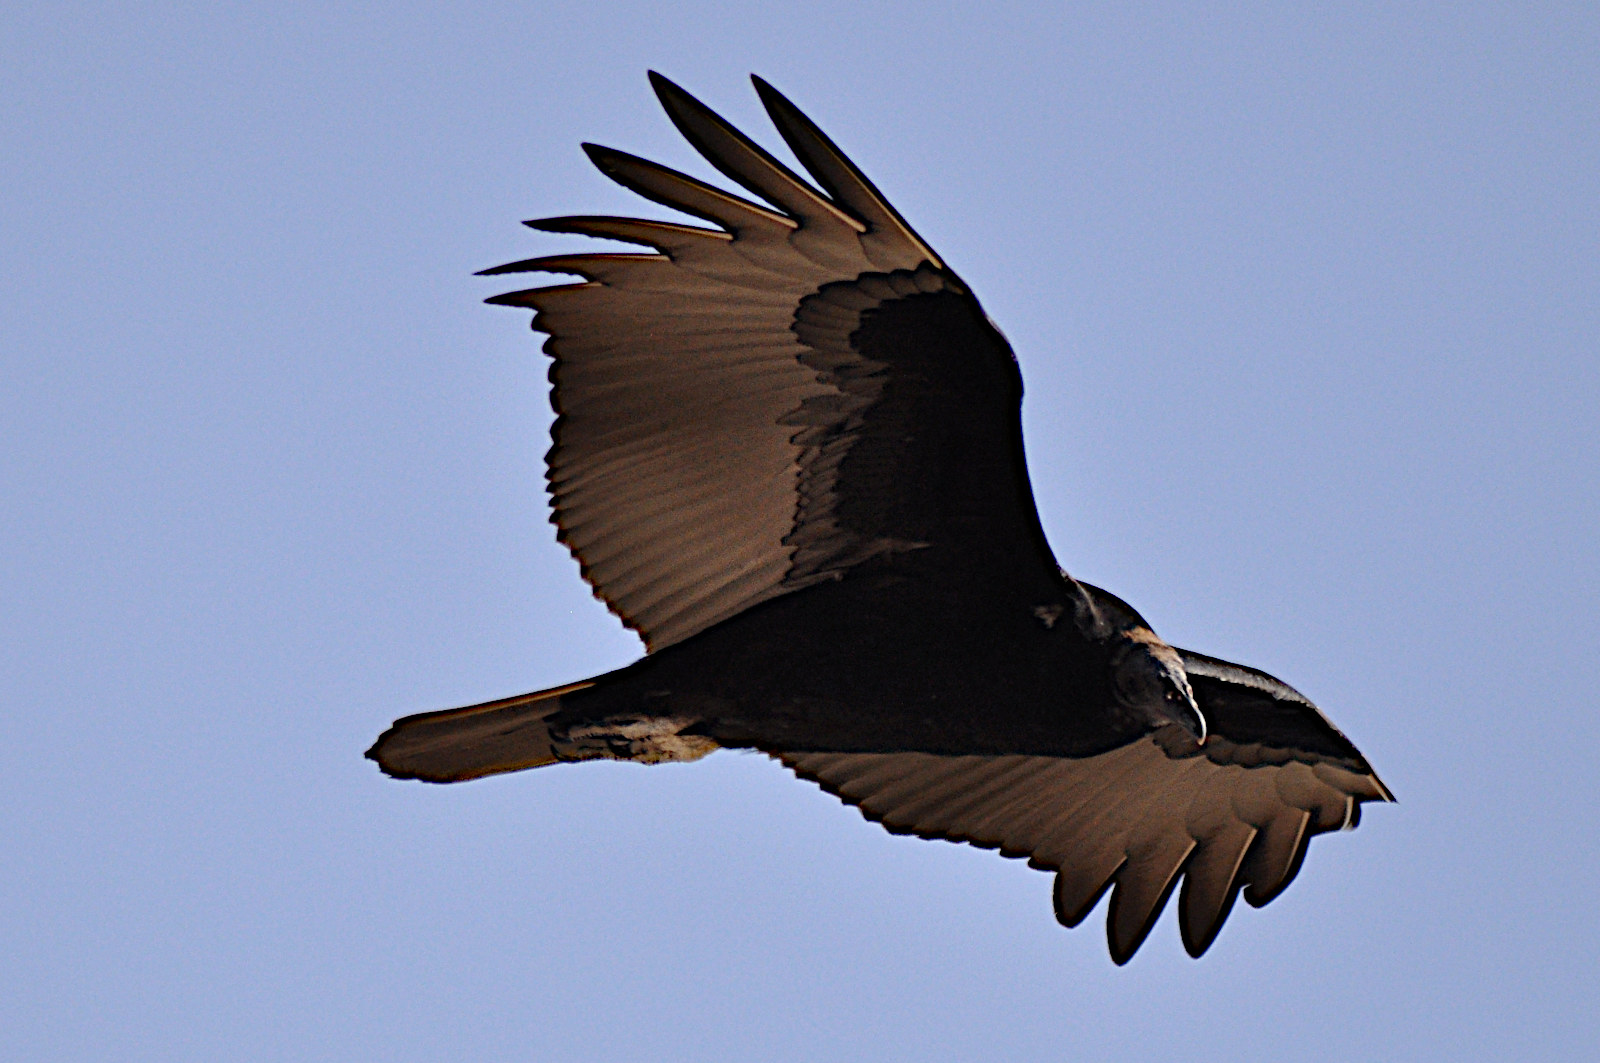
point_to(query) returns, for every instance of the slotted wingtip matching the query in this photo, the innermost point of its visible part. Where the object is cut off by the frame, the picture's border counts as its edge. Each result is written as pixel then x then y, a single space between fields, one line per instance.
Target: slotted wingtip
pixel 768 94
pixel 1196 947
pixel 1122 950
pixel 1197 939
pixel 780 108
pixel 516 299
pixel 609 160
pixel 663 86
pixel 1122 945
pixel 562 224
pixel 677 101
pixel 777 104
pixel 509 267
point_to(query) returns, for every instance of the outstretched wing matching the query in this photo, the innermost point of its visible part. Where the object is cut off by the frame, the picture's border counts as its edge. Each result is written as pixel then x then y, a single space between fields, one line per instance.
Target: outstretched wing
pixel 1233 815
pixel 761 405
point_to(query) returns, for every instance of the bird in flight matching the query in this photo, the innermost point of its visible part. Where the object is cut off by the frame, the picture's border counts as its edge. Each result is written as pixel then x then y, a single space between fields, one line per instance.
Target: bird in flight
pixel 788 453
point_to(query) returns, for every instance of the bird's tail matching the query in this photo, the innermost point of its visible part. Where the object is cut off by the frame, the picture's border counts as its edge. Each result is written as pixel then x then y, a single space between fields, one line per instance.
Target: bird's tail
pixel 459 744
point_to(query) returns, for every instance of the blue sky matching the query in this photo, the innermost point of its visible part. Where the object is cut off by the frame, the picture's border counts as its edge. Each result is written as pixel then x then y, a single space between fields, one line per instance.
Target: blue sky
pixel 1306 300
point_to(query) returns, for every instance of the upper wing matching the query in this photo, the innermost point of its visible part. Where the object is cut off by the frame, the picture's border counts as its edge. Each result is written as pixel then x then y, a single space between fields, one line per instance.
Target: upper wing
pixel 764 404
pixel 1234 815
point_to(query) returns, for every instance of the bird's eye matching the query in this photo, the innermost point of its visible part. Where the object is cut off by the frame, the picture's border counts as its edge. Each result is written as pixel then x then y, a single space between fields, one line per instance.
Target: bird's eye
pixel 1135 681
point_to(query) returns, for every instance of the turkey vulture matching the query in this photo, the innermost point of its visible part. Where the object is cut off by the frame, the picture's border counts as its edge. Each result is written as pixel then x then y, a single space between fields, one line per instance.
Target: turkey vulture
pixel 788 453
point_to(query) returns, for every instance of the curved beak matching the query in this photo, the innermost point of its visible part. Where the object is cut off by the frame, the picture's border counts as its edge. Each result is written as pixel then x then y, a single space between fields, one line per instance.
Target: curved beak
pixel 1191 719
pixel 1181 707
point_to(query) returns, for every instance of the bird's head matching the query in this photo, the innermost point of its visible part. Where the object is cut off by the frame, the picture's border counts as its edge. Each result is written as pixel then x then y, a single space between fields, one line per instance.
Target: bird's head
pixel 1150 682
pixel 1148 679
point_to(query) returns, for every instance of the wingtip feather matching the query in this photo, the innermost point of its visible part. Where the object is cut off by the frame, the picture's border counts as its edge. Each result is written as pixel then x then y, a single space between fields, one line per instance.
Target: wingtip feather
pixel 839 177
pixel 744 161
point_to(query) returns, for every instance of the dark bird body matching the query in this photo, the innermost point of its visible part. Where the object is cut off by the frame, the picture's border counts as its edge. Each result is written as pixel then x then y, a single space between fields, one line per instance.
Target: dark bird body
pixel 788 453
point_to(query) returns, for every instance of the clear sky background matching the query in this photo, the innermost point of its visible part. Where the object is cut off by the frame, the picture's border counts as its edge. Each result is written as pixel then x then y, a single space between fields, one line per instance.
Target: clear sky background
pixel 1306 300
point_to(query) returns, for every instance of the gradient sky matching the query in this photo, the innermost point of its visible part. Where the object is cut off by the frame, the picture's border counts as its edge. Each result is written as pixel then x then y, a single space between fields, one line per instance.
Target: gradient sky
pixel 1306 299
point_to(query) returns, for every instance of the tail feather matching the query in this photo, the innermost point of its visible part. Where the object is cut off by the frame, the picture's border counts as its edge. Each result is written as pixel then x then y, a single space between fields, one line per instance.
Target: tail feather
pixel 460 744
